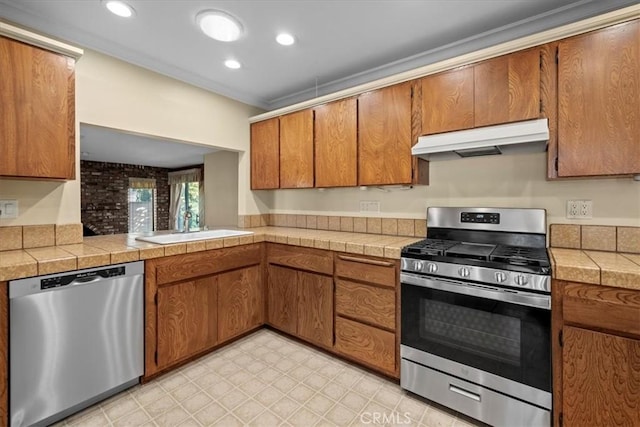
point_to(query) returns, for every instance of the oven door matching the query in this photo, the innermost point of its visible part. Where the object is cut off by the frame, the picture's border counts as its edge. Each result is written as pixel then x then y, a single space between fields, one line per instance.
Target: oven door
pixel 494 330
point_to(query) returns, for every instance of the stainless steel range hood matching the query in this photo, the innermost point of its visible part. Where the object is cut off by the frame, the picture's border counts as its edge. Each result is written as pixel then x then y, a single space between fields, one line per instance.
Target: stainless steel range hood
pixel 520 137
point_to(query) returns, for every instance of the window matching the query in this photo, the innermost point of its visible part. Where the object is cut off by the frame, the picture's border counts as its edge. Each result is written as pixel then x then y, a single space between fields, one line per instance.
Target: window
pixel 189 201
pixel 186 196
pixel 142 205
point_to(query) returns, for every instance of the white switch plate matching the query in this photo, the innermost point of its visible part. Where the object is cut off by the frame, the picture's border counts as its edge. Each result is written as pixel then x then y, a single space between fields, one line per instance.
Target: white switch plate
pixel 8 208
pixel 579 209
pixel 369 206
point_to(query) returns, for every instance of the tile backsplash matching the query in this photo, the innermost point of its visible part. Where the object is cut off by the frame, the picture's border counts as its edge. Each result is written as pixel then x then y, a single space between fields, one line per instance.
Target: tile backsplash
pixel 595 237
pixel 371 225
pixel 38 236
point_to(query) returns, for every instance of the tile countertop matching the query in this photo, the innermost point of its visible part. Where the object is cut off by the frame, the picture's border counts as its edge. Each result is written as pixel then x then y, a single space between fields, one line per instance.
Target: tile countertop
pixel 618 270
pixel 96 251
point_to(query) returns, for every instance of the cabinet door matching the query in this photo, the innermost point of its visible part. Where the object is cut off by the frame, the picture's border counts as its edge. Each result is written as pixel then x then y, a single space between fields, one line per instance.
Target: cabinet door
pixel 447 101
pixel 186 319
pixel 296 150
pixel 315 308
pixel 282 298
pixel 599 102
pixel 507 89
pixel 37 118
pixel 240 302
pixel 336 144
pixel 601 379
pixel 384 140
pixel 265 154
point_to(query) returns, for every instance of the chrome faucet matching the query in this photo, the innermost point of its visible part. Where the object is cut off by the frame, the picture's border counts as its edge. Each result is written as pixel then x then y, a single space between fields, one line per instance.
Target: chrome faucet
pixel 187 217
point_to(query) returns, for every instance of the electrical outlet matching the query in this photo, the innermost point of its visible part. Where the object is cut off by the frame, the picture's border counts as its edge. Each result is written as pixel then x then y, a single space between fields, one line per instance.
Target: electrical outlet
pixel 369 206
pixel 579 209
pixel 8 208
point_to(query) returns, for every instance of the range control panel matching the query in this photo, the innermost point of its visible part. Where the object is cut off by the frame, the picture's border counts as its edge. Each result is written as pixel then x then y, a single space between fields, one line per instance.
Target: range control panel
pixel 480 218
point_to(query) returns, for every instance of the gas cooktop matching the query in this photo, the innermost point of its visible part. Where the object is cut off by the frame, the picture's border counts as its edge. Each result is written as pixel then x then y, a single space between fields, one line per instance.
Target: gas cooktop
pixel 495 246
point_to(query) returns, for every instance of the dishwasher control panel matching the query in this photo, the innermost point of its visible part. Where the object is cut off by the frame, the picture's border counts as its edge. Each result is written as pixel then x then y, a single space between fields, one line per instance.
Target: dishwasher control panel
pixel 58 281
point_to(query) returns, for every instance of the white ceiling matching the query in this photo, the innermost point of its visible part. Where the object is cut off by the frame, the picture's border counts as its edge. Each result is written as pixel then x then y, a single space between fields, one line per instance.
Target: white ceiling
pixel 340 43
pixel 102 144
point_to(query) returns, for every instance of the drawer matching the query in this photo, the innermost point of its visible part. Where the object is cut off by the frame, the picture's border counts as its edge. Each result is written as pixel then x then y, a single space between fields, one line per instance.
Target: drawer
pixel 374 270
pixel 369 304
pixel 371 346
pixel 316 260
pixel 602 307
pixel 197 264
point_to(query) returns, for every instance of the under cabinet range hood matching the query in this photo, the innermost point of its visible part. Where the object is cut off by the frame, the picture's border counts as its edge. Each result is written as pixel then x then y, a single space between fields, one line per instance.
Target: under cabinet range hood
pixel 521 137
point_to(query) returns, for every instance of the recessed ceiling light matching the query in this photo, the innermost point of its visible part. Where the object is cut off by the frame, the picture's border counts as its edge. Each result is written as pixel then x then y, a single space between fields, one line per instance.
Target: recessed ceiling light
pixel 219 25
pixel 119 8
pixel 285 39
pixel 232 63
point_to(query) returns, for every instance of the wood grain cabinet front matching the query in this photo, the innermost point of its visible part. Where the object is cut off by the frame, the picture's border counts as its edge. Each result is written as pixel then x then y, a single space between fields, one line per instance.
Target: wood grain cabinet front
pixel 367 323
pixel 500 90
pixel 265 154
pixel 599 102
pixel 187 317
pixel 37 118
pixel 336 144
pixel 596 355
pixel 300 292
pixel 195 302
pixel 296 150
pixel 384 136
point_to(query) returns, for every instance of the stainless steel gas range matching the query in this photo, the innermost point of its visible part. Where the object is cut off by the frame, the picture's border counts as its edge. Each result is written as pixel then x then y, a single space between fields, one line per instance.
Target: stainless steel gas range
pixel 476 315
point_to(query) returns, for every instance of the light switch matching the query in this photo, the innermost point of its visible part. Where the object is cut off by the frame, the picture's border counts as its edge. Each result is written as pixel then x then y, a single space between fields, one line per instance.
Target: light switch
pixel 8 208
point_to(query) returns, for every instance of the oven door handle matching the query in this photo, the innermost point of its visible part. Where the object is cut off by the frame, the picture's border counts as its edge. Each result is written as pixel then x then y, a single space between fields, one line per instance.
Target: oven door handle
pixel 528 299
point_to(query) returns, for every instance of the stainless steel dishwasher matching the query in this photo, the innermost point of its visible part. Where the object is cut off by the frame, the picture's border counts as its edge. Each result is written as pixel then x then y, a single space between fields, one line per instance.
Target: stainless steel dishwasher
pixel 75 338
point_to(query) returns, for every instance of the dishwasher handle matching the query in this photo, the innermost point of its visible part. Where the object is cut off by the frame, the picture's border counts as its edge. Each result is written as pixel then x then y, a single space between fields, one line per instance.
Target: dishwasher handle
pixel 54 282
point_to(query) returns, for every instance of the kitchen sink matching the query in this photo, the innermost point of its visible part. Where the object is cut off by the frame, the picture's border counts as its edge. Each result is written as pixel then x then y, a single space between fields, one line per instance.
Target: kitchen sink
pixel 165 239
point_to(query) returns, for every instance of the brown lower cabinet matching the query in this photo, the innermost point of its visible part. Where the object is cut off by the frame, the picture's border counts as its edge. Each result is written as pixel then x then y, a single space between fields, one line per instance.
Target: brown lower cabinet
pixel 597 355
pixel 300 292
pixel 367 324
pixel 197 301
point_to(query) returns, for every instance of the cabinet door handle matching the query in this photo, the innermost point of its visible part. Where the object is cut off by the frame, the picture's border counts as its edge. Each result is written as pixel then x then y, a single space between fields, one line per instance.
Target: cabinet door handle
pixel 366 261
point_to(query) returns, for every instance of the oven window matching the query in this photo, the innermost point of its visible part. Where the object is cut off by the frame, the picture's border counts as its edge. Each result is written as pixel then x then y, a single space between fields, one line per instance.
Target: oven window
pixel 509 340
pixel 490 335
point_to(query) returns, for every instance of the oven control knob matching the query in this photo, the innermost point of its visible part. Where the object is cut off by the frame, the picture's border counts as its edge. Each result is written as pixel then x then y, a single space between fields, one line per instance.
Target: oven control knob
pixel 418 266
pixel 432 268
pixel 464 272
pixel 521 280
pixel 500 277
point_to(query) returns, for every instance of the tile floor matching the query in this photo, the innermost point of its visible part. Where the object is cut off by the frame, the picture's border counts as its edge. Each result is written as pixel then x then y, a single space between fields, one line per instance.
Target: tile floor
pixel 266 379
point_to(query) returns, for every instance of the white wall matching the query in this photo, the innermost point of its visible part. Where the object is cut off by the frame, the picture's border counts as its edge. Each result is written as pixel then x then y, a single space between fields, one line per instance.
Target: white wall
pixel 221 188
pixel 115 94
pixel 498 181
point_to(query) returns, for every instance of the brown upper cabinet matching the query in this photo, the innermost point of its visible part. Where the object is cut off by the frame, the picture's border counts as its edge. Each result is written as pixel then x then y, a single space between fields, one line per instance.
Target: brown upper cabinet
pixel 296 150
pixel 265 154
pixel 384 140
pixel 37 119
pixel 599 102
pixel 500 90
pixel 336 144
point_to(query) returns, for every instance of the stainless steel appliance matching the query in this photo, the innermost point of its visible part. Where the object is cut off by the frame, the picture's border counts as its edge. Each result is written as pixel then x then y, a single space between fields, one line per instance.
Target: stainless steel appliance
pixel 476 315
pixel 75 338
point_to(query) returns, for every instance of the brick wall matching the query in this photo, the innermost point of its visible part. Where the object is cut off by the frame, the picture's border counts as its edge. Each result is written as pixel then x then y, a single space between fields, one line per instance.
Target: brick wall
pixel 104 188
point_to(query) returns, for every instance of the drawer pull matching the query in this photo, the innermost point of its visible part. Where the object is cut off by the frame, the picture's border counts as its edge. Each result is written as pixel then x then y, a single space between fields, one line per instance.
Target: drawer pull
pixel 465 393
pixel 366 261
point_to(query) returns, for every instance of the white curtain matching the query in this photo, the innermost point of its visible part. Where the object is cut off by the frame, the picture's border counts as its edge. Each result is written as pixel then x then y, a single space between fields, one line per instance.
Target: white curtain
pixel 174 200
